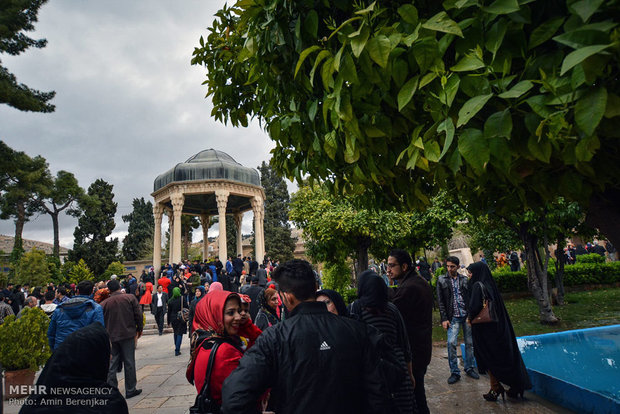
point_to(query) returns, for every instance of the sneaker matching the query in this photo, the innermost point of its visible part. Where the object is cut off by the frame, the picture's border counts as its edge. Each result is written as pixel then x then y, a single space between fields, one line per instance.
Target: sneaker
pixel 133 394
pixel 472 373
pixel 453 378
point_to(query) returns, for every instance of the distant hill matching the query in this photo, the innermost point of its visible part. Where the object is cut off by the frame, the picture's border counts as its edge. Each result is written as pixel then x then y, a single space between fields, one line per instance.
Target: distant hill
pixel 6 245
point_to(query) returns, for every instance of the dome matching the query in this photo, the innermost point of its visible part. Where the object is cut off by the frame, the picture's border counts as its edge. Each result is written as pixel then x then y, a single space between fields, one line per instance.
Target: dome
pixel 208 165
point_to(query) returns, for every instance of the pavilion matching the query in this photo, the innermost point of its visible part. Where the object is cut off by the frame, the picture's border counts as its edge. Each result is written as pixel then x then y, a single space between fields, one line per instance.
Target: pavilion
pixel 208 183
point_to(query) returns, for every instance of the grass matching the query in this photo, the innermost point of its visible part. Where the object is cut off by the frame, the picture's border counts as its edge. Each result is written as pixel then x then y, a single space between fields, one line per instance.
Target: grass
pixel 585 309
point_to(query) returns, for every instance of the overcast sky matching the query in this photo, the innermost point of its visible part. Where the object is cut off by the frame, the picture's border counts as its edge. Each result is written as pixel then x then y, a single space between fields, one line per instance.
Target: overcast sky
pixel 129 105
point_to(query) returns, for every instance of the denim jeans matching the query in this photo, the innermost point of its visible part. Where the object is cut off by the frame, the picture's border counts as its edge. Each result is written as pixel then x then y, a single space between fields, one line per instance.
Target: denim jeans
pixel 453 333
pixel 178 339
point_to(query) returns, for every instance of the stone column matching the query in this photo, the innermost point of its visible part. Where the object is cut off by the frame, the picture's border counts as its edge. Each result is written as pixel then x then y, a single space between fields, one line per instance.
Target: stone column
pixel 258 208
pixel 238 222
pixel 221 197
pixel 177 200
pixel 204 222
pixel 158 211
pixel 170 231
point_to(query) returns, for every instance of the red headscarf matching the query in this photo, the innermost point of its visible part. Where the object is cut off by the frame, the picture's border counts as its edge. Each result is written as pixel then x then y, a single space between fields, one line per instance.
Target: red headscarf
pixel 209 313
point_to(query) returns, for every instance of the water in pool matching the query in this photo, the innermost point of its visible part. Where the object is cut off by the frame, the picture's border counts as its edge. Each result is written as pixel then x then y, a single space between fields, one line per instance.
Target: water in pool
pixel 587 358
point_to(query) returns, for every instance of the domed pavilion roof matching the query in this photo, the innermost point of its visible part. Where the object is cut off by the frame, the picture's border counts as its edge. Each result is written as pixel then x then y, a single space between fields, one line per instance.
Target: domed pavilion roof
pixel 208 165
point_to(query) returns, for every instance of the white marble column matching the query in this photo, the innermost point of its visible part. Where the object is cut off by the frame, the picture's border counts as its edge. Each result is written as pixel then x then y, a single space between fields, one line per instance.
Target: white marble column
pixel 258 208
pixel 204 222
pixel 170 231
pixel 158 211
pixel 177 200
pixel 238 222
pixel 221 197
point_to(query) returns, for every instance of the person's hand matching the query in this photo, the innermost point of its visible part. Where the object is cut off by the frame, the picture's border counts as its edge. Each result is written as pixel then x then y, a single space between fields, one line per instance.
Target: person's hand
pixel 445 324
pixel 138 334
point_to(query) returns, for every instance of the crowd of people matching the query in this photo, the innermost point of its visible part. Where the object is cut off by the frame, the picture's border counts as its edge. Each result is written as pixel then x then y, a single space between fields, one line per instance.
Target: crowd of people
pixel 266 337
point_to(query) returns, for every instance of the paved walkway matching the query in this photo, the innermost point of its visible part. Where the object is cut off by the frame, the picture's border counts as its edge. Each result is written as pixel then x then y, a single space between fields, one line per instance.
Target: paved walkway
pixel 161 376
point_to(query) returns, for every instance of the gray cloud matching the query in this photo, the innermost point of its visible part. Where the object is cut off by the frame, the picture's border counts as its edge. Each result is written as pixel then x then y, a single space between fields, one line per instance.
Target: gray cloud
pixel 129 105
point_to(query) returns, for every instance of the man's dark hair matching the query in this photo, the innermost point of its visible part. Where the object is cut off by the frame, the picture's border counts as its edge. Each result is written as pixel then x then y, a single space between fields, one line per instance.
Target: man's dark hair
pixel 297 277
pixel 254 280
pixel 62 290
pixel 402 257
pixel 49 295
pixel 453 259
pixel 113 285
pixel 85 287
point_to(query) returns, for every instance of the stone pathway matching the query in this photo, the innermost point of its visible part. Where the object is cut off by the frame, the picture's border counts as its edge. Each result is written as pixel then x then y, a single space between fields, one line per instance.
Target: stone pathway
pixel 161 376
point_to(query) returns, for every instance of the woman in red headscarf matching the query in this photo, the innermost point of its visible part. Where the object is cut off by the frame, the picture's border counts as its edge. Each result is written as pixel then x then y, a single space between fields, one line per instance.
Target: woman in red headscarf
pixel 218 318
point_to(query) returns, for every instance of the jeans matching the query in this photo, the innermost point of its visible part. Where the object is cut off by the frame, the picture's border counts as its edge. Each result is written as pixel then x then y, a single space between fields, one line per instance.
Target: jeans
pixel 178 339
pixel 123 351
pixel 453 332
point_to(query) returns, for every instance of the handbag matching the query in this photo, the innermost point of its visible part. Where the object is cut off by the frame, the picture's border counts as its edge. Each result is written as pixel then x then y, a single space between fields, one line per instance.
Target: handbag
pixel 204 404
pixel 183 314
pixel 487 314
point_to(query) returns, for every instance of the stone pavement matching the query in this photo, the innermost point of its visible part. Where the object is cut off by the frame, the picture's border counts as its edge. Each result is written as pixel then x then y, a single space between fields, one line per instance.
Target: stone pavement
pixel 161 376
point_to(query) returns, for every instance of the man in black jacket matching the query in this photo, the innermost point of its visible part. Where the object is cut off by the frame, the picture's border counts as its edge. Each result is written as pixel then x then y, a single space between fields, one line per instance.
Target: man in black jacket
pixel 414 300
pixel 453 295
pixel 314 361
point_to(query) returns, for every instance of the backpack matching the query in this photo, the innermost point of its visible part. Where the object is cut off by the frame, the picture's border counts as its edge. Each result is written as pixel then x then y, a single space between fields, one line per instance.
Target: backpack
pixel 390 368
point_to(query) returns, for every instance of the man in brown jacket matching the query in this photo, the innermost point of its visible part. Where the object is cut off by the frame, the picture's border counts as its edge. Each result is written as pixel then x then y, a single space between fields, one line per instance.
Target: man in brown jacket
pixel 414 300
pixel 123 320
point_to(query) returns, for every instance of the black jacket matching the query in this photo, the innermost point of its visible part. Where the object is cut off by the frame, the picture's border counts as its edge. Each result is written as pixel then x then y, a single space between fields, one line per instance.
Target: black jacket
pixel 314 362
pixel 445 295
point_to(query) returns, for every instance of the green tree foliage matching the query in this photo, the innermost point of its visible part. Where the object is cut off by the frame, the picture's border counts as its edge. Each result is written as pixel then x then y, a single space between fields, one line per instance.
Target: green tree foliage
pixel 61 194
pixel 490 234
pixel 513 102
pixel 335 228
pixel 22 179
pixel 33 268
pixel 139 238
pixel 18 17
pixel 114 268
pixel 95 225
pixel 231 239
pixel 279 245
pixel 188 225
pixel 80 272
pixel 337 276
pixel 434 226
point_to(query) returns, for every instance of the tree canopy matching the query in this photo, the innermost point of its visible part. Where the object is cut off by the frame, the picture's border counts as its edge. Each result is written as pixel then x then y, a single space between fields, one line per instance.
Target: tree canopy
pixel 279 245
pixel 16 18
pixel 513 103
pixel 141 226
pixel 95 225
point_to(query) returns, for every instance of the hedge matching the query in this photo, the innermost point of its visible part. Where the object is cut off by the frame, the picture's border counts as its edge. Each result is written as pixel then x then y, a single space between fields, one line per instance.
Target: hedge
pixel 574 275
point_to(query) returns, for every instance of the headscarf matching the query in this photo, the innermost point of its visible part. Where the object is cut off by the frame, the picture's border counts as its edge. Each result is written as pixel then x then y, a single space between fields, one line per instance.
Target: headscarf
pixel 209 314
pixel 215 286
pixel 263 300
pixel 372 290
pixel 149 288
pixel 202 290
pixel 481 273
pixel 336 299
pixel 176 293
pixel 87 347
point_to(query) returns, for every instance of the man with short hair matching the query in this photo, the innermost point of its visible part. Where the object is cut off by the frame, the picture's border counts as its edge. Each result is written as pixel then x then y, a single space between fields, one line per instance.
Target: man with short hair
pixel 314 361
pixel 452 291
pixel 31 302
pixel 261 274
pixel 61 295
pixel 73 314
pixel 49 306
pixel 5 309
pixel 123 320
pixel 159 307
pixel 414 299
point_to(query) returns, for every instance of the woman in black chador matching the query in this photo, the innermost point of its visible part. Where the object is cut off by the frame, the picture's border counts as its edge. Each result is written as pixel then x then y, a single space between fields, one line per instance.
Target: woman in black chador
pixel 495 344
pixel 74 378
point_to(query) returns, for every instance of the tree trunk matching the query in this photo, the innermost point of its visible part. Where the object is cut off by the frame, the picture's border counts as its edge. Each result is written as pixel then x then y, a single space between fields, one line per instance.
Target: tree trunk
pixel 604 214
pixel 20 220
pixel 536 276
pixel 363 243
pixel 56 236
pixel 559 269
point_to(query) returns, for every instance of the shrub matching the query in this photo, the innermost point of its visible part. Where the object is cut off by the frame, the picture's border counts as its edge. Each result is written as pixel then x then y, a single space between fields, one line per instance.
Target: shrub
pixel 590 258
pixel 337 276
pixel 574 275
pixel 33 268
pixel 114 268
pixel 80 272
pixel 349 295
pixel 23 341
